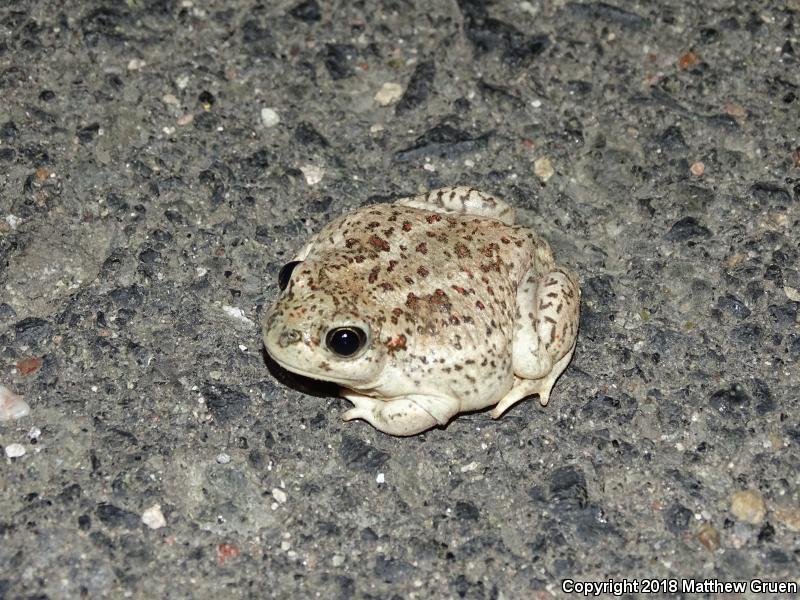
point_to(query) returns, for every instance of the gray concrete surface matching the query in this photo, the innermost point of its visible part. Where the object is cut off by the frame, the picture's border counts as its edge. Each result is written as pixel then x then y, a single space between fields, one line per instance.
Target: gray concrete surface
pixel 145 210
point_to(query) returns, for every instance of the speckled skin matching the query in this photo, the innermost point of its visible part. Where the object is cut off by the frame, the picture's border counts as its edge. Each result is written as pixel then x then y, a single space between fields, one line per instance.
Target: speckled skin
pixel 462 309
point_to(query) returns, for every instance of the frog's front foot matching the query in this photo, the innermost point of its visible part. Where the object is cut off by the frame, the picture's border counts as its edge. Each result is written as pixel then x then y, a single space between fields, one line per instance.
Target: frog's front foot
pixel 395 417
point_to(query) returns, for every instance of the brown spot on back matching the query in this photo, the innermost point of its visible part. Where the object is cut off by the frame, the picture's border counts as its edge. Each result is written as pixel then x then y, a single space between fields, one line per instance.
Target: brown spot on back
pixel 423 272
pixel 422 248
pixel 373 274
pixel 379 243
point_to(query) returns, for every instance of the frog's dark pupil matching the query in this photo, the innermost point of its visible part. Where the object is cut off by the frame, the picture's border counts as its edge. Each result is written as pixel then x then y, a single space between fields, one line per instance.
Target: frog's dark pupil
pixel 286 273
pixel 345 341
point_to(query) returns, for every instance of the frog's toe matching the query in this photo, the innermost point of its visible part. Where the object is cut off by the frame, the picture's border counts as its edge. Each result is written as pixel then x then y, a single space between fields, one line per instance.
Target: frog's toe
pixel 356 413
pixel 522 389
pixel 363 406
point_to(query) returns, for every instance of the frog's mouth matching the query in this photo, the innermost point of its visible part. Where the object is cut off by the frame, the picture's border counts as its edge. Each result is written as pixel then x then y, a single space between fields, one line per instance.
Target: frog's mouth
pixel 326 372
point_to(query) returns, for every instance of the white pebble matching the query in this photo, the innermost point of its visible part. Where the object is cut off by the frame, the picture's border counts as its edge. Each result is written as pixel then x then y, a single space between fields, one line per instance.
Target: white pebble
pixel 381 478
pixel 153 517
pixel 34 433
pixel 237 313
pixel 543 168
pixel 279 495
pixel 312 174
pixel 169 99
pixel 13 221
pixel 15 450
pixel 269 117
pixel 135 64
pixel 388 94
pixel 223 458
pixel 12 406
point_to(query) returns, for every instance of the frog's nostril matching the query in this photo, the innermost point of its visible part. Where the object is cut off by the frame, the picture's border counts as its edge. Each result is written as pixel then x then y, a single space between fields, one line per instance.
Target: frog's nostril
pixel 289 337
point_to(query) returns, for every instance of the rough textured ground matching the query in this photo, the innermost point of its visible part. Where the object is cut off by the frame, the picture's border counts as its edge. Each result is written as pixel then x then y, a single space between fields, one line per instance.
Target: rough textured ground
pixel 144 203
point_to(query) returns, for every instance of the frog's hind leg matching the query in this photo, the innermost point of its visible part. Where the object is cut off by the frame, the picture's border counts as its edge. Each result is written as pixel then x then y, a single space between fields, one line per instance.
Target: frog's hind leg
pixel 547 328
pixel 528 387
pixel 462 200
pixel 401 416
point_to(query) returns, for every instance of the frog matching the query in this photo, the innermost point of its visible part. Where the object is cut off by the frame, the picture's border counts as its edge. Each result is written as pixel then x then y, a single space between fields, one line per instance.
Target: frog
pixel 424 308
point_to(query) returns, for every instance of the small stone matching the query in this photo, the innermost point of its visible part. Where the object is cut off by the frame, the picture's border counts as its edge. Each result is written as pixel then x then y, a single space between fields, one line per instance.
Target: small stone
pixel 269 117
pixel 748 506
pixel 185 119
pixel 15 450
pixel 153 517
pixel 698 168
pixel 312 174
pixel 226 552
pixel 389 93
pixel 735 110
pixel 12 406
pixel 237 313
pixel 792 293
pixel 381 478
pixel 279 495
pixel 170 99
pixel 28 366
pixel 13 221
pixel 689 59
pixel 34 433
pixel 789 516
pixel 135 64
pixel 223 458
pixel 708 536
pixel 543 168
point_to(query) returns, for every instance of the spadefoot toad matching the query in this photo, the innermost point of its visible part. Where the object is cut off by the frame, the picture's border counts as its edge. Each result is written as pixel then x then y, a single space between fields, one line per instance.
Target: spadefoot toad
pixel 425 308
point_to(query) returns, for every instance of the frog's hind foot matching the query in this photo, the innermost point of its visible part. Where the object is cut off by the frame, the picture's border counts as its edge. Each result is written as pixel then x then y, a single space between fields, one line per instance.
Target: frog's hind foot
pixel 396 417
pixel 522 389
pixel 528 387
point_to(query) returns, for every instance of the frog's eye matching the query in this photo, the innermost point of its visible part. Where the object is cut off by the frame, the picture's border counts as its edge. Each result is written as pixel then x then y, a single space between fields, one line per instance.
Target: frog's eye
pixel 345 341
pixel 286 273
